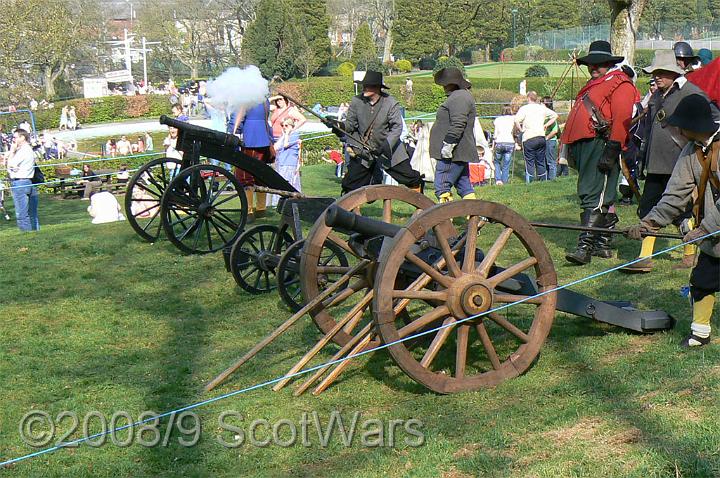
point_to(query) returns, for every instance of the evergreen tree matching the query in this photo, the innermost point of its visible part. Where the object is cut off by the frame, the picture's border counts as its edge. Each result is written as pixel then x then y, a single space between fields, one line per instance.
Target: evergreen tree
pixel 270 41
pixel 364 50
pixel 312 16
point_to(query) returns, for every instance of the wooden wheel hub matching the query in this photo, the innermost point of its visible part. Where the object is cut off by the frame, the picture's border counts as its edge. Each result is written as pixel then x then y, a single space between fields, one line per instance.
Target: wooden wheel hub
pixel 469 295
pixel 477 299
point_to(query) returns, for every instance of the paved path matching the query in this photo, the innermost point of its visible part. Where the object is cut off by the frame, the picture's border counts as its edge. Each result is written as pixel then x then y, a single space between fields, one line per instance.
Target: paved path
pixel 142 125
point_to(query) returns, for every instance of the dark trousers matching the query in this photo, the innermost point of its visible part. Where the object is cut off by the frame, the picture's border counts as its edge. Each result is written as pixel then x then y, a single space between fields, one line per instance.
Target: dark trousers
pixel 595 189
pixel 653 189
pixel 534 153
pixel 452 173
pixel 358 175
pixel 705 276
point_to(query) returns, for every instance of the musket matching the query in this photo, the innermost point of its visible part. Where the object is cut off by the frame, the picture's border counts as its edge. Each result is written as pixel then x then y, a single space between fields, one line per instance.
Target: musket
pixel 333 125
pixel 603 230
pixel 629 178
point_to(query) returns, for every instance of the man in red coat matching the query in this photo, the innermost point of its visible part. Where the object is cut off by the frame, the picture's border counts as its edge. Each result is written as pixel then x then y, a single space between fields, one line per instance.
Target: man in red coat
pixel 595 133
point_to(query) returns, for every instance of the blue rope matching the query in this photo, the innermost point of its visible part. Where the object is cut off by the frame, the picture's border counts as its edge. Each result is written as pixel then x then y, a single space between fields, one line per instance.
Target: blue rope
pixel 349 357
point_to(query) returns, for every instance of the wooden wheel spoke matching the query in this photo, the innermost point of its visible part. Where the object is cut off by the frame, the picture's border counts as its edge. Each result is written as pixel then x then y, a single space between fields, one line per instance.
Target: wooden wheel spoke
pixel 196 241
pixel 423 321
pixel 488 345
pixel 387 210
pixel 147 226
pixel 450 262
pixel 208 235
pixel 512 271
pixel 189 229
pixel 332 269
pixel 436 275
pixel 420 294
pixel 226 220
pixel 507 325
pixel 181 220
pixel 470 244
pixel 438 342
pixel 223 201
pixel 461 350
pixel 219 191
pixel 337 240
pixel 150 191
pixel 512 298
pixel 217 229
pixel 492 254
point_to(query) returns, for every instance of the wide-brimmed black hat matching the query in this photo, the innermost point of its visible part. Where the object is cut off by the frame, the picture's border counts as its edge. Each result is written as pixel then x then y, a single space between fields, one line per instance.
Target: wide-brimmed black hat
pixel 373 78
pixel 693 113
pixel 451 76
pixel 599 52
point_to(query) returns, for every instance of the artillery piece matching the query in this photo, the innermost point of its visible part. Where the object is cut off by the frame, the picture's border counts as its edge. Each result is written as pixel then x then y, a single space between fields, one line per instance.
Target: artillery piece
pixel 462 294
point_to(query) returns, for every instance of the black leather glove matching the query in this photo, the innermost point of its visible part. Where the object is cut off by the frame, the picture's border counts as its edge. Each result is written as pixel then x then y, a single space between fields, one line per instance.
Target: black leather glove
pixel 335 126
pixel 610 157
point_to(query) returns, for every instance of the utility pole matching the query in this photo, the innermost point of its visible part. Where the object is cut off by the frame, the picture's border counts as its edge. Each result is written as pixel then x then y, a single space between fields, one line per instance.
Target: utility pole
pixel 128 59
pixel 144 55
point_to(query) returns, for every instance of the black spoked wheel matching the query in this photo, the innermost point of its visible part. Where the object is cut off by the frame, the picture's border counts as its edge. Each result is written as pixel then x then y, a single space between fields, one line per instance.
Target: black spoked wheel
pixel 255 256
pixel 203 209
pixel 144 192
pixel 331 258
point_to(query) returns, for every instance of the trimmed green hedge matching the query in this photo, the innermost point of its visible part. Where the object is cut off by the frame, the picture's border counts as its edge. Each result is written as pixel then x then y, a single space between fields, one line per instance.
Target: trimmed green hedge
pixel 427 96
pixel 96 110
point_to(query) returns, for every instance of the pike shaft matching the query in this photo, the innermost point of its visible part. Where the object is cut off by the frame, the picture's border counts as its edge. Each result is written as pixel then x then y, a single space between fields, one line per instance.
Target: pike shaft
pixel 572 227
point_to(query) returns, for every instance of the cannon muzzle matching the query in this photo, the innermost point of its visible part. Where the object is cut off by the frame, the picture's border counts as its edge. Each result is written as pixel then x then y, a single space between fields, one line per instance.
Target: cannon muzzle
pixel 337 217
pixel 217 138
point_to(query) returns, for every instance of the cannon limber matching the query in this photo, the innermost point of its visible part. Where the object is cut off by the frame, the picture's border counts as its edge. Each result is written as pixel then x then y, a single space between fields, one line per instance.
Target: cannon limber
pixel 475 268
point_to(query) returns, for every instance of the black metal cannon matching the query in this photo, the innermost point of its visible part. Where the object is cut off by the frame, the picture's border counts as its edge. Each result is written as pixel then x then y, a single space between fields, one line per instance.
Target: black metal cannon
pixel 463 294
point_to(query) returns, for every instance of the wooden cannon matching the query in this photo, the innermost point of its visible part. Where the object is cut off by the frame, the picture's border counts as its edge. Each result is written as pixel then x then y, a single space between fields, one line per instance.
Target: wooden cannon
pixel 462 294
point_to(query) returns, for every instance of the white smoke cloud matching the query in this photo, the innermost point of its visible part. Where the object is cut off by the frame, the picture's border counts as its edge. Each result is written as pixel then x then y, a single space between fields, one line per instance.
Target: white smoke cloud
pixel 238 88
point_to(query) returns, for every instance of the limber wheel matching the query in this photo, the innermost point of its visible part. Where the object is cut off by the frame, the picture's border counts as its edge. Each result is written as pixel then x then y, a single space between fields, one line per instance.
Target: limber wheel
pixel 143 194
pixel 332 262
pixel 457 284
pixel 393 204
pixel 255 256
pixel 200 212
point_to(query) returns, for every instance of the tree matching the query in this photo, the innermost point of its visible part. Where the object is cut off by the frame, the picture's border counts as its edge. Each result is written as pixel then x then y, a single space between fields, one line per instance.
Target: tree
pixel 271 40
pixel 624 21
pixel 312 15
pixel 383 15
pixel 188 30
pixel 438 27
pixel 364 51
pixel 45 47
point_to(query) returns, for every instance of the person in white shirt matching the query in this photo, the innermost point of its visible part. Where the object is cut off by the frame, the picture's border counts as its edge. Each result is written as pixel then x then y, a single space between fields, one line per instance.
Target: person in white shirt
pixel 123 146
pixel 532 120
pixel 504 145
pixel 20 162
pixel 104 208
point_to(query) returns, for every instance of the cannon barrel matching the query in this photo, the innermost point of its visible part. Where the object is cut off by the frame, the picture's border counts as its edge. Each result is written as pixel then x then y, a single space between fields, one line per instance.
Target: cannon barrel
pixel 337 217
pixel 198 132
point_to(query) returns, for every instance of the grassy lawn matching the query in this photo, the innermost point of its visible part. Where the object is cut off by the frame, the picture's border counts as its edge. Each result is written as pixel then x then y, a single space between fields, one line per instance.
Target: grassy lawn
pixel 95 319
pixel 507 70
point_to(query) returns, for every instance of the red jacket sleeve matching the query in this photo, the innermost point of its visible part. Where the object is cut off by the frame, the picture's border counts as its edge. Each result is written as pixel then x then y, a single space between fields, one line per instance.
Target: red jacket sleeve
pixel 621 106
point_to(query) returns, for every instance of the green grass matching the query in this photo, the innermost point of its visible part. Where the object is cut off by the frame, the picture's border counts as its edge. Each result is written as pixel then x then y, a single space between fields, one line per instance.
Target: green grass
pixel 95 319
pixel 508 70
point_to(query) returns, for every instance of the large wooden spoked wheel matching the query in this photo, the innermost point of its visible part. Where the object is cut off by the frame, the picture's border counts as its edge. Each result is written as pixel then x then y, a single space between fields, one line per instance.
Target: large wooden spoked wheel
pixel 204 209
pixel 255 255
pixel 394 204
pixel 288 271
pixel 456 285
pixel 143 194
